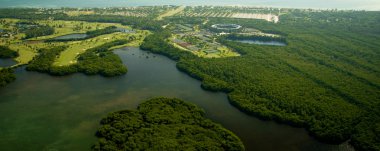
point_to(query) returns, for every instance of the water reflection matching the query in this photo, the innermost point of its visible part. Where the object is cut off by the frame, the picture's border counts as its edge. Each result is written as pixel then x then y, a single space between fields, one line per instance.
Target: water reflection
pixel 42 112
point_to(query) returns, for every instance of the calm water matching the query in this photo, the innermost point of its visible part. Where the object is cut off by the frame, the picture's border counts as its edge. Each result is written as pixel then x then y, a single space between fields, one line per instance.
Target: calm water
pixel 124 30
pixel 79 35
pixel 326 4
pixel 42 112
pixel 71 36
pixel 7 62
pixel 258 42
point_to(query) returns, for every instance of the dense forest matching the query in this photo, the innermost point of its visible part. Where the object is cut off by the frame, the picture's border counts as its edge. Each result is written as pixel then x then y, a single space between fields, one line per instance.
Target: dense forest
pixel 6 52
pixel 100 60
pixel 145 23
pixel 6 76
pixel 157 43
pixel 97 60
pixel 44 60
pixel 164 124
pixel 107 30
pixel 326 79
pixel 37 31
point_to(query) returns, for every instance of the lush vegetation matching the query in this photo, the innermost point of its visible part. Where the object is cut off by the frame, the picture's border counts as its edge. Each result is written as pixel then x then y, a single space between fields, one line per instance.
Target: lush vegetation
pixel 99 32
pixel 97 60
pixel 89 34
pixel 6 52
pixel 38 31
pixel 164 124
pixel 6 76
pixel 44 60
pixel 135 22
pixel 157 43
pixel 326 79
pixel 100 60
pixel 146 23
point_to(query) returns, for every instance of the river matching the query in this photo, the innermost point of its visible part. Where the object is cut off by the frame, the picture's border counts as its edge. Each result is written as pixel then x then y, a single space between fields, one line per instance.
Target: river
pixel 7 62
pixel 71 36
pixel 42 112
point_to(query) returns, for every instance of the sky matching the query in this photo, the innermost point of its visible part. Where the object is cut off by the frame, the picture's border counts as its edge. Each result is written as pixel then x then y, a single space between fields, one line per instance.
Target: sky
pixel 322 4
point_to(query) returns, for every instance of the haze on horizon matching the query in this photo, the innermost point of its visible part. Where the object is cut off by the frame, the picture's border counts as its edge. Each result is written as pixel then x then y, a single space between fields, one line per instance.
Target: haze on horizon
pixel 316 4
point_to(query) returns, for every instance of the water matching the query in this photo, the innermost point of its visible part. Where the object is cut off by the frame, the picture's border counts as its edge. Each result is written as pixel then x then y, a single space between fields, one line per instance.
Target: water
pixel 80 36
pixel 324 4
pixel 123 30
pixel 71 36
pixel 259 42
pixel 42 112
pixel 7 62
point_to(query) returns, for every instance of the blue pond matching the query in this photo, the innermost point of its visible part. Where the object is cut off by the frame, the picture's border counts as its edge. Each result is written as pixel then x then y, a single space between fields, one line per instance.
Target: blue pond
pixel 71 36
pixel 260 42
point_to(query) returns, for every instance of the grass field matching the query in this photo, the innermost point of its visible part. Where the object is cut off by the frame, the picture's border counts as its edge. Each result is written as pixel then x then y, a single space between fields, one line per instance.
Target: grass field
pixel 26 53
pixel 69 56
pixel 28 49
pixel 69 27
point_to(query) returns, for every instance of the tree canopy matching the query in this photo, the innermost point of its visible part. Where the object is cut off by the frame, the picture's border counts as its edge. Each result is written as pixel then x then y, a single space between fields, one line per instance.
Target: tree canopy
pixel 326 79
pixel 97 60
pixel 164 124
pixel 6 76
pixel 6 52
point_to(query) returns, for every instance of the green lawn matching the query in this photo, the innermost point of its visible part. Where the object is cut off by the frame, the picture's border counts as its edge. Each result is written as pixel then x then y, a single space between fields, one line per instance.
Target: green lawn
pixel 69 56
pixel 28 50
pixel 69 27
